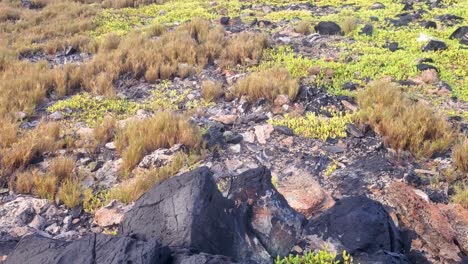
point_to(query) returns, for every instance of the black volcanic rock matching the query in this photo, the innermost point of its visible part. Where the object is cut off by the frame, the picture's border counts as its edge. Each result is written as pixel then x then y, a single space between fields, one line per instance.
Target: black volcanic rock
pixel 187 211
pixel 95 248
pixel 328 28
pixel 461 34
pixel 360 224
pixel 434 45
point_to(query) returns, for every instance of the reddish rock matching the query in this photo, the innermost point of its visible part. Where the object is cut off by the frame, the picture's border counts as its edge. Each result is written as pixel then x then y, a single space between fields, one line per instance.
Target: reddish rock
pixel 304 194
pixel 263 132
pixel 225 119
pixel 111 214
pixel 435 234
pixel 282 99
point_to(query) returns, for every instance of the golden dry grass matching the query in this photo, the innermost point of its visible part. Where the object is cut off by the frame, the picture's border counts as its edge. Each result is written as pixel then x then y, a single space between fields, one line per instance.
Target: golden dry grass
pixel 460 155
pixel 303 27
pixel 245 48
pixel 349 24
pixel 45 186
pixel 404 124
pixel 105 131
pixel 25 181
pixel 131 189
pixel 44 138
pixel 211 90
pixel 461 195
pixel 163 130
pixel 62 167
pixel 70 192
pixel 268 84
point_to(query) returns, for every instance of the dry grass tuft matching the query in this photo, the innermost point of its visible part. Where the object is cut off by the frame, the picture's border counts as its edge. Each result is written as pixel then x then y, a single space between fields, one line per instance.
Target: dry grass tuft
pixel 46 186
pixel 460 155
pixel 129 3
pixel 157 30
pixel 130 190
pixel 44 138
pixel 105 131
pixel 70 192
pixel 8 133
pixel 163 130
pixel 349 24
pixel 25 181
pixel 245 49
pixel 303 27
pixel 461 195
pixel 62 167
pixel 211 90
pixel 268 84
pixel 404 124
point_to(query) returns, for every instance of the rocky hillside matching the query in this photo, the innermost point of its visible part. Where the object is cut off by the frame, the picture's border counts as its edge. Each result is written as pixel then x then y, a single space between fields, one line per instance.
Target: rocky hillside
pixel 233 131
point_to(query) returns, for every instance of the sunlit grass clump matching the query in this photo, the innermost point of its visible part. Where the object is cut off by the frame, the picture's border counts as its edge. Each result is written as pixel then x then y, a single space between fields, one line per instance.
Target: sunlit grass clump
pixel 403 123
pixel 163 130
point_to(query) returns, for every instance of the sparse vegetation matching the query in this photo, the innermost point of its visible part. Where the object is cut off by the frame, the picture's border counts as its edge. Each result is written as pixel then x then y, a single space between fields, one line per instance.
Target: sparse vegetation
pixel 163 130
pixel 314 126
pixel 105 131
pixel 131 189
pixel 268 84
pixel 349 24
pixel 303 27
pixel 62 167
pixel 404 124
pixel 461 195
pixel 245 49
pixel 321 257
pixel 45 138
pixel 211 90
pixel 460 155
pixel 70 192
pixel 46 186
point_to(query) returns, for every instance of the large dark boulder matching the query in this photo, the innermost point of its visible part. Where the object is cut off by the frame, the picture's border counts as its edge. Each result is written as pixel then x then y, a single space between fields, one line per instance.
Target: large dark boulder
pixel 360 224
pixel 272 220
pixel 95 248
pixel 328 28
pixel 461 34
pixel 382 257
pixel 187 211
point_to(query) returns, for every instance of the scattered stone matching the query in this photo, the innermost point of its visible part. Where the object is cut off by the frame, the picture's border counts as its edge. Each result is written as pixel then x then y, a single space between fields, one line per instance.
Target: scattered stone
pixel 368 30
pixel 224 21
pixel 56 116
pixel 232 138
pixel 350 86
pixel 215 136
pixel 461 34
pixel 110 146
pixel 282 99
pixel 159 157
pixel 354 131
pixel 225 119
pixel 377 5
pixel 38 222
pixel 263 133
pixel 284 130
pixel 393 46
pixel 349 105
pixel 434 45
pixel 328 28
pixel 425 67
pixel 235 148
pixel 430 24
pixel 249 137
